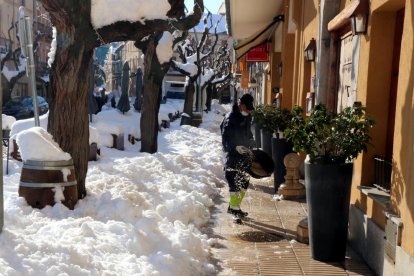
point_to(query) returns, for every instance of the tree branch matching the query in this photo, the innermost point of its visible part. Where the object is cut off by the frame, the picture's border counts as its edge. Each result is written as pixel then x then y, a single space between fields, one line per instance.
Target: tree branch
pixel 136 31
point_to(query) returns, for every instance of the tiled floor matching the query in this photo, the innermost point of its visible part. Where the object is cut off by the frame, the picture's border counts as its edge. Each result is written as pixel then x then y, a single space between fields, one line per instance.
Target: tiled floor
pixel 265 244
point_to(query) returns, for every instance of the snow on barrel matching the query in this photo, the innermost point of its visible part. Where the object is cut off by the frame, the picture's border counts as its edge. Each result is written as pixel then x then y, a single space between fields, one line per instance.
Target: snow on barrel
pixel 48 174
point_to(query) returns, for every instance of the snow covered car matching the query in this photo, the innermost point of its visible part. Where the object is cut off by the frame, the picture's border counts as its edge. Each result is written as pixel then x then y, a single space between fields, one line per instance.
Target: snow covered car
pixel 22 108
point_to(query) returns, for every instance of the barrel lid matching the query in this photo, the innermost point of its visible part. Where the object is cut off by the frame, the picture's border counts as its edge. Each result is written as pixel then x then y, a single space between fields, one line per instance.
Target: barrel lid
pixel 41 163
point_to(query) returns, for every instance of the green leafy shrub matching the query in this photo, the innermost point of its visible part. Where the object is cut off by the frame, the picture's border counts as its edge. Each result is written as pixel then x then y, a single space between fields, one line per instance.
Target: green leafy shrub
pixel 262 115
pixel 328 137
pixel 272 119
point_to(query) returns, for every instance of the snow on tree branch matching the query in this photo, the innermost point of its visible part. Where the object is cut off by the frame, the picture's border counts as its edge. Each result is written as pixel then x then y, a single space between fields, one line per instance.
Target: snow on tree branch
pixel 107 12
pixel 165 48
pixel 172 20
pixel 192 56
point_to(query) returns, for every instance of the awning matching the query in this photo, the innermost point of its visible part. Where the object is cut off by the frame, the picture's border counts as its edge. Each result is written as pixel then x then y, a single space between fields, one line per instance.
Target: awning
pixel 342 18
pixel 257 38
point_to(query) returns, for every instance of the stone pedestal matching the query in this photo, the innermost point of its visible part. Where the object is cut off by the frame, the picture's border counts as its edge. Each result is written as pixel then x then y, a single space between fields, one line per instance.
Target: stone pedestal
pixel 93 152
pixel 118 141
pixel 292 188
pixel 302 233
pixel 165 123
pixel 197 119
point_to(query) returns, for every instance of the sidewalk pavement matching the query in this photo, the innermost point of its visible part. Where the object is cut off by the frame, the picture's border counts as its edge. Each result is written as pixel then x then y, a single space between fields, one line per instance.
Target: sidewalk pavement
pixel 265 244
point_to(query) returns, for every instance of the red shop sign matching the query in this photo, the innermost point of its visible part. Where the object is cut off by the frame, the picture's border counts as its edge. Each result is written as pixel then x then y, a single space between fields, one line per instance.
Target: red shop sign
pixel 259 53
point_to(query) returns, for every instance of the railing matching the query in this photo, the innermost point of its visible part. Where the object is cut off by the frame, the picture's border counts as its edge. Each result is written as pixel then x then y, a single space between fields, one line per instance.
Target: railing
pixel 382 173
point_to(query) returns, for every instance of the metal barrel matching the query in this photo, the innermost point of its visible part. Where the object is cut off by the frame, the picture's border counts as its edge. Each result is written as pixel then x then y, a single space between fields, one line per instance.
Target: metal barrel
pixel 39 180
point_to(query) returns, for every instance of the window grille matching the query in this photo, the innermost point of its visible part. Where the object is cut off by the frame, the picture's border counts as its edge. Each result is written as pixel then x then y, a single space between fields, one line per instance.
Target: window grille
pixel 382 173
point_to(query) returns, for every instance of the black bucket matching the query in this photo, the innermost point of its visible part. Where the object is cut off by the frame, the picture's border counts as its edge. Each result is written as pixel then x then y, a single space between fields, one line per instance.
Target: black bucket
pixel 262 165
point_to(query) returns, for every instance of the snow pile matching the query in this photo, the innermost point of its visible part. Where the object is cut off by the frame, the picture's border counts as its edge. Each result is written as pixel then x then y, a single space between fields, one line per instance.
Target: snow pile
pixel 142 214
pixel 107 12
pixel 21 125
pixel 164 48
pixel 94 136
pixel 7 121
pixel 37 144
pixel 111 121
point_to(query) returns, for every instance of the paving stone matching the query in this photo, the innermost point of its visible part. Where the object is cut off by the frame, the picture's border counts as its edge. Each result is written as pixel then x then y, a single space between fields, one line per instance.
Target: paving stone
pixel 265 243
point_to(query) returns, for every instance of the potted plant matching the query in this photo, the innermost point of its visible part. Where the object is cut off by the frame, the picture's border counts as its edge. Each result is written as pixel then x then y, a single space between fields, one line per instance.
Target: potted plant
pixel 331 142
pixel 263 116
pixel 280 120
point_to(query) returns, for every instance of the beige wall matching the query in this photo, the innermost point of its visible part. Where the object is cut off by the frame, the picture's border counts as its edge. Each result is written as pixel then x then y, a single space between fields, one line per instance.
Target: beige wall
pixel 373 91
pixel 402 194
pixel 297 73
pixel 373 88
pixel 288 57
pixel 306 70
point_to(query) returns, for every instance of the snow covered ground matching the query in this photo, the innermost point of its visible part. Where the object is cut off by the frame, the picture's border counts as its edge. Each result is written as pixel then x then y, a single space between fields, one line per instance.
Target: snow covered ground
pixel 142 215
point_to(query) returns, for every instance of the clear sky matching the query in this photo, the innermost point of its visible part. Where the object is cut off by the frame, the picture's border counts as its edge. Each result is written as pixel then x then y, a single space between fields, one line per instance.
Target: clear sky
pixel 212 5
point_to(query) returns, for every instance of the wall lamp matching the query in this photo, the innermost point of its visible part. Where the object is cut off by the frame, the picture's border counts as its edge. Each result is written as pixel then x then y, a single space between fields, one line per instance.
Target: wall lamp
pixel 280 69
pixel 359 24
pixel 310 51
pixel 359 18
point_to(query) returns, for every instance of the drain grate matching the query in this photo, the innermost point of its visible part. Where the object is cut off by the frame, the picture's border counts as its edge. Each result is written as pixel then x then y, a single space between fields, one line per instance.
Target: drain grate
pixel 259 236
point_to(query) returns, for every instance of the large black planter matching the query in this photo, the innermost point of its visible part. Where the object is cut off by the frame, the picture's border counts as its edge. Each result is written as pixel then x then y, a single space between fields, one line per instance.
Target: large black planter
pixel 266 137
pixel 328 190
pixel 280 148
pixel 257 137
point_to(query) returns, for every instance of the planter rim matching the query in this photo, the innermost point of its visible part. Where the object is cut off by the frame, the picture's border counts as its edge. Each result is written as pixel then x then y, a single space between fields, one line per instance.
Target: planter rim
pixel 307 162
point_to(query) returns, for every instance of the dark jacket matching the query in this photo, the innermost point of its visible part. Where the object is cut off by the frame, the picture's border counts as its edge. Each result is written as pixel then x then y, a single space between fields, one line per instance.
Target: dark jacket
pixel 235 131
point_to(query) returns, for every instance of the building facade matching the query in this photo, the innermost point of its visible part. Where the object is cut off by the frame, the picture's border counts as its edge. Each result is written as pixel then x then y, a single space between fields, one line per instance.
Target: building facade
pixel 117 54
pixel 42 30
pixel 373 66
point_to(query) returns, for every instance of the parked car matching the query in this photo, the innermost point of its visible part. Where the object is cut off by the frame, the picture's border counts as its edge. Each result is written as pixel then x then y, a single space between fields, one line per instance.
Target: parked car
pixel 22 108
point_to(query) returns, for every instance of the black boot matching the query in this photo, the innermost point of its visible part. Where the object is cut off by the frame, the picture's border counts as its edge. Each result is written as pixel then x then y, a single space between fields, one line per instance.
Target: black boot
pixel 238 213
pixel 236 219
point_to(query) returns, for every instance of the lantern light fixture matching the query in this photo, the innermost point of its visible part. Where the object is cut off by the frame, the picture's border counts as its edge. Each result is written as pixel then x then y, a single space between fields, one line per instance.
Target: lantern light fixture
pixel 359 23
pixel 280 69
pixel 310 51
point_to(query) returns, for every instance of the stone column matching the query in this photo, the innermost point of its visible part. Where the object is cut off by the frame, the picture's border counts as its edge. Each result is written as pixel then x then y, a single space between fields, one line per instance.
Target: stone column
pixel 328 10
pixel 292 188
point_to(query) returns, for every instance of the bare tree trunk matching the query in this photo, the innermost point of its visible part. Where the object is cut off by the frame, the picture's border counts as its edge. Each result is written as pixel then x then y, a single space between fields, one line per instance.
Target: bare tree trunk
pixel 153 75
pixel 69 87
pixel 189 99
pixel 6 89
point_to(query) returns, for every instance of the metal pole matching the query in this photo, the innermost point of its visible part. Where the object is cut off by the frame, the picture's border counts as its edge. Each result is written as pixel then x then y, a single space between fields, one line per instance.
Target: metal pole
pixel 200 95
pixel 31 68
pixel 198 98
pixel 1 161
